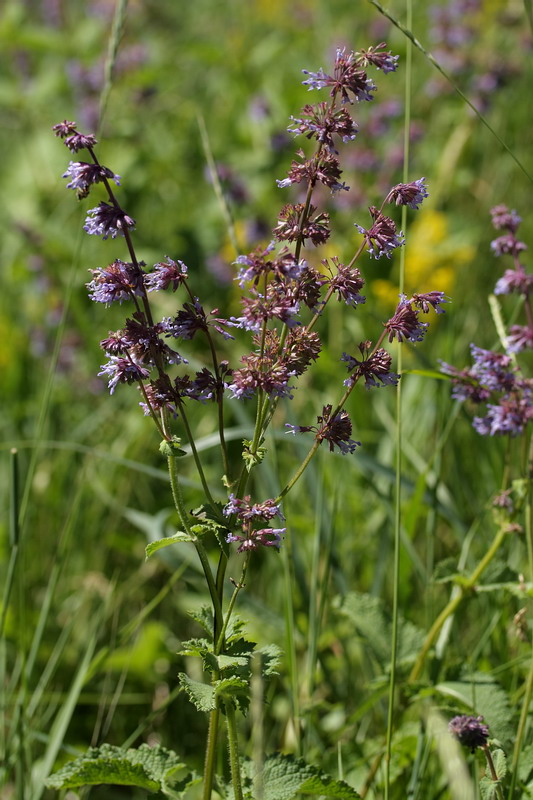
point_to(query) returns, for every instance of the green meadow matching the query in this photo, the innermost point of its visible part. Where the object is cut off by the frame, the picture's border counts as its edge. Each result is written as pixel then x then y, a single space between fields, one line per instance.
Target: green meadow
pixel 398 599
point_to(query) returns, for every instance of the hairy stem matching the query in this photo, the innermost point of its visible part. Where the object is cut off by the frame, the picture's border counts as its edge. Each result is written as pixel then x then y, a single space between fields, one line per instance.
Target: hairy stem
pixel 210 754
pixel 233 742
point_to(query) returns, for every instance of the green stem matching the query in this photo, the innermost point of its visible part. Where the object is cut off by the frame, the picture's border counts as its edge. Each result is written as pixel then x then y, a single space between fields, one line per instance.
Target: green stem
pixel 210 754
pixel 493 773
pixel 299 472
pixel 455 602
pixel 233 743
pixel 182 513
pixel 219 642
pixel 195 455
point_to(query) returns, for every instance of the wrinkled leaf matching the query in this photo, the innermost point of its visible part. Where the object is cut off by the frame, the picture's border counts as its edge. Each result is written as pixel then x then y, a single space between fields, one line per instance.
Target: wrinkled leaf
pixel 201 694
pixel 147 767
pixel 284 777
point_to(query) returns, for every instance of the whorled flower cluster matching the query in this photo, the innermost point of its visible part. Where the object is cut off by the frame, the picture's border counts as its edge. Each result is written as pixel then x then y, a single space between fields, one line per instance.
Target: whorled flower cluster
pixel 496 379
pixel 284 295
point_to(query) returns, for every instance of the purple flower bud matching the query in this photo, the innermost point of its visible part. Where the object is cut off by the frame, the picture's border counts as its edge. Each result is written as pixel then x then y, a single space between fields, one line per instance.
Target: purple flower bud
pixel 470 731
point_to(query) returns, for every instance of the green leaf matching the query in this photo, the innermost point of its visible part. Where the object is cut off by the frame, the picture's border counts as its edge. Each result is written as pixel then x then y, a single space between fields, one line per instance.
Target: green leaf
pixel 270 655
pixel 147 767
pixel 231 688
pixel 180 536
pixel 481 694
pixel 252 459
pixel 284 776
pixel 373 623
pixel 525 769
pixel 204 617
pixel 201 694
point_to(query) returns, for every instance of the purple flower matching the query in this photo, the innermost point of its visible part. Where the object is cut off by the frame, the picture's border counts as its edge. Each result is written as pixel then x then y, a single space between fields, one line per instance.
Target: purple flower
pixel 191 319
pixel 348 79
pixel 166 273
pixel 520 337
pixel 507 245
pixel 280 303
pixel 493 370
pixel 160 395
pixel 122 370
pixel 84 175
pixel 309 288
pixel 248 515
pixel 207 386
pixel 290 227
pixel 514 280
pixel 503 219
pixel 252 538
pixel 117 282
pixel 321 122
pixel 336 430
pixel 470 731
pixel 73 140
pixel 509 416
pixel 257 265
pixel 408 194
pixel 465 385
pixel 323 167
pixel 244 511
pixel 382 237
pixel 424 301
pixel 373 368
pixel 405 324
pixel 301 347
pixel 106 220
pixel 381 60
pixel 248 380
pixel 346 282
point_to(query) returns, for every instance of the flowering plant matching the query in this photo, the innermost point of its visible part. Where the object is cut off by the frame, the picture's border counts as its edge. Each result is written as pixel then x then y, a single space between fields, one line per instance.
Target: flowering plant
pixel 286 294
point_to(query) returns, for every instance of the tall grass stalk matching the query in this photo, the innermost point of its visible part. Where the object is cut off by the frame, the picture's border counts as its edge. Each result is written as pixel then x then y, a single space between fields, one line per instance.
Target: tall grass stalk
pixel 398 431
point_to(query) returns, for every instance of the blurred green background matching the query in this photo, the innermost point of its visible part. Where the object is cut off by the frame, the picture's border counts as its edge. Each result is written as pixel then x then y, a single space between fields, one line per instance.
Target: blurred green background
pixel 93 486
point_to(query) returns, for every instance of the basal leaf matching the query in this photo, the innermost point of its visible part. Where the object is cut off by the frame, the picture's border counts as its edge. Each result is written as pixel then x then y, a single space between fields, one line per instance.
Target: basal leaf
pixel 180 536
pixel 147 767
pixel 201 694
pixel 284 777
